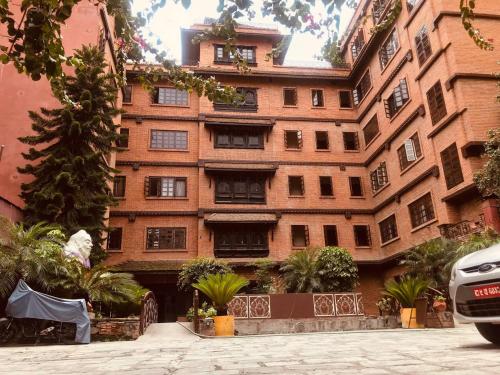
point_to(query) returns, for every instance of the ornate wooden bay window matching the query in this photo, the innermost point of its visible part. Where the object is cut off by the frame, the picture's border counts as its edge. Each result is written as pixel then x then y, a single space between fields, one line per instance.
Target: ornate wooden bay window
pixel 241 241
pixel 240 188
pixel 246 101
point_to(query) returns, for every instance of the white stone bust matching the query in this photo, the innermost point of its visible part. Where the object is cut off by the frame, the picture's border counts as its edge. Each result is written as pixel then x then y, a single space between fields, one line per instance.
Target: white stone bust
pixel 79 246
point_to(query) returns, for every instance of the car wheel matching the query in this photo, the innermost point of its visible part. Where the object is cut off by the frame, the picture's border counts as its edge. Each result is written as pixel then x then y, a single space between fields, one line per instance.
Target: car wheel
pixel 490 332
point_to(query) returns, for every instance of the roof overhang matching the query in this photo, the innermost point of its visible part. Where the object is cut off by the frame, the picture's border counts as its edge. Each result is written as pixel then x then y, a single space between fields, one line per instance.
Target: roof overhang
pixel 153 266
pixel 241 218
pixel 247 122
pixel 219 167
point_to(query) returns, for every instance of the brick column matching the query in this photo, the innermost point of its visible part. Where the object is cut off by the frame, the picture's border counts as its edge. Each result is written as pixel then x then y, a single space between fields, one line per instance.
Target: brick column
pixel 491 213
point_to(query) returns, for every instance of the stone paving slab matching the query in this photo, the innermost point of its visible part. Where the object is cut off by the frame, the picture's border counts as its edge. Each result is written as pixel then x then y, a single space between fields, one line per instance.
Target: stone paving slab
pixel 167 350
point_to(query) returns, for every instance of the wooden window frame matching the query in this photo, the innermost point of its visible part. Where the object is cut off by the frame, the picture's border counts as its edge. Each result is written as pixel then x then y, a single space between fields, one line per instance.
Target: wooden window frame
pixel 398 99
pixel 436 102
pixel 305 229
pixel 302 186
pixel 129 96
pixel 234 248
pixel 385 56
pixel 240 107
pixel 162 131
pixel 228 60
pixel 423 45
pixel 322 91
pixel 421 210
pixel 122 141
pixel 231 196
pixel 231 134
pixel 362 88
pixel 368 133
pixel 327 140
pixel 296 96
pixel 368 233
pixel 357 44
pixel 149 180
pixel 360 186
pixel 174 230
pixel 356 140
pixel 404 163
pixel 321 186
pixel 326 228
pixel 349 93
pixel 109 239
pixel 452 167
pixel 379 177
pixel 388 229
pixel 156 97
pixel 299 139
pixel 119 192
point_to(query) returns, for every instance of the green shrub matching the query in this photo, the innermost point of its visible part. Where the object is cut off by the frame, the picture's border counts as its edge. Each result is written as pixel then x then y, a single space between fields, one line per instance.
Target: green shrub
pixel 300 272
pixel 337 270
pixel 407 290
pixel 263 277
pixel 195 269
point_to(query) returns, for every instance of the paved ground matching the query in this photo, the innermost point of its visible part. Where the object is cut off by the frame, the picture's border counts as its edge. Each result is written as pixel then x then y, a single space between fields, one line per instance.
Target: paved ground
pixel 170 349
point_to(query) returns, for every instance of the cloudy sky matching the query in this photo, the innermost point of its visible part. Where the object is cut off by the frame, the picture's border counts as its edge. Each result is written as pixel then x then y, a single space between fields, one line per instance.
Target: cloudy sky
pixel 168 21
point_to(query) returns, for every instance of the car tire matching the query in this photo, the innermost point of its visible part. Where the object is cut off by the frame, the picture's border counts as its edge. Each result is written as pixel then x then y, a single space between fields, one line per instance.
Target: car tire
pixel 490 332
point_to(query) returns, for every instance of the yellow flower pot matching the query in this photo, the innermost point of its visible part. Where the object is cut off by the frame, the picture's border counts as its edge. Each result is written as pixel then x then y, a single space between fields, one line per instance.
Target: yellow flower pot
pixel 224 325
pixel 409 318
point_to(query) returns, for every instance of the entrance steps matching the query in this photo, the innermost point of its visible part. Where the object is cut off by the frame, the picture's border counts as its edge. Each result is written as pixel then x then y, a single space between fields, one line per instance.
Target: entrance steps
pixel 168 333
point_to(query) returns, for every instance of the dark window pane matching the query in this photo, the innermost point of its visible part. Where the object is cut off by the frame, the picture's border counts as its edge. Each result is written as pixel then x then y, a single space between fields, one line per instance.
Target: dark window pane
pixel 362 88
pixel 165 238
pixel 331 238
pixel 115 239
pixel 422 42
pixel 119 186
pixel 326 186
pixel 362 235
pixel 300 236
pixel 388 49
pixel 371 130
pixel 293 139
pixel 355 185
pixel 322 140
pixel 122 142
pixel 290 97
pixel 345 99
pixel 437 106
pixel 451 166
pixel 240 189
pixel 127 95
pixel 296 185
pixel 388 229
pixel 421 211
pixel 351 141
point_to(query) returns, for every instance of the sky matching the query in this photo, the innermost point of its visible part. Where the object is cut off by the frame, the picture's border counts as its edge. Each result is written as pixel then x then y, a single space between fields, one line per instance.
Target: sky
pixel 168 21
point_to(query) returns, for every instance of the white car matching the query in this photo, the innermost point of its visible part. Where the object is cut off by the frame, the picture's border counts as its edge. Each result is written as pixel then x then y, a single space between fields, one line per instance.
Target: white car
pixel 475 291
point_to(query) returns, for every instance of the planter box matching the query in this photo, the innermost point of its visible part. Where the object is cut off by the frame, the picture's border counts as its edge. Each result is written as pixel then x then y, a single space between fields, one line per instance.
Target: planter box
pixel 440 320
pixel 111 329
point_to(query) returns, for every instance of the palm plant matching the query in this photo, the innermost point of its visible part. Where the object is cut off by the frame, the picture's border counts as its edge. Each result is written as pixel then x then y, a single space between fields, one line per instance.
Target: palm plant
pixel 221 289
pixel 300 272
pixel 30 253
pixel 407 290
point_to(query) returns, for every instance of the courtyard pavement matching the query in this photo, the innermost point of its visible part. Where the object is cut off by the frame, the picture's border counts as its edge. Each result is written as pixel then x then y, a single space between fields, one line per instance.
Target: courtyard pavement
pixel 170 349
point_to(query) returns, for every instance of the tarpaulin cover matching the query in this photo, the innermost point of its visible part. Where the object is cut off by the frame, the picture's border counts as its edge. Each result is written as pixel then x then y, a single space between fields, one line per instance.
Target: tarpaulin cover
pixel 24 302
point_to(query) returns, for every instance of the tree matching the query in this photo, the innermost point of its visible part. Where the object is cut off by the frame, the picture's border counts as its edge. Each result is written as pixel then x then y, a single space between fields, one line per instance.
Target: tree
pixel 487 178
pixel 263 278
pixel 195 269
pixel 71 176
pixel 336 269
pixel 300 272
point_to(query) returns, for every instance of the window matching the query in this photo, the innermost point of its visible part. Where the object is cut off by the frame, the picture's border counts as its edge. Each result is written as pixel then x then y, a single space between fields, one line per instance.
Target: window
pixel 232 241
pixel 222 56
pixel 317 98
pixel 362 88
pixel 170 96
pixel 122 142
pixel 293 139
pixel 371 130
pixel 322 140
pixel 345 99
pixel 397 99
pixel 165 238
pixel 378 9
pixel 246 101
pixel 351 141
pixel 127 94
pixel 225 138
pixel 165 186
pixel 296 185
pixel 437 106
pixel 168 139
pixel 356 186
pixel 362 235
pixel 290 97
pixel 379 177
pixel 388 49
pixel 451 166
pixel 119 186
pixel 331 238
pixel 326 186
pixel 388 229
pixel 421 211
pixel 410 4
pixel 114 239
pixel 300 236
pixel 357 44
pixel 240 189
pixel 409 152
pixel 423 45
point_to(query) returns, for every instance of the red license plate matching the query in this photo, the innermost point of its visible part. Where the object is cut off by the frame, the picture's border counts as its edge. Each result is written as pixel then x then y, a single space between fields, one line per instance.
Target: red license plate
pixel 487 291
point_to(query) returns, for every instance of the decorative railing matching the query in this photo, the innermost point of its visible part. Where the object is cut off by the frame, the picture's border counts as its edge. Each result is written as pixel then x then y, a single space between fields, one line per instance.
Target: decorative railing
pixel 462 229
pixel 149 312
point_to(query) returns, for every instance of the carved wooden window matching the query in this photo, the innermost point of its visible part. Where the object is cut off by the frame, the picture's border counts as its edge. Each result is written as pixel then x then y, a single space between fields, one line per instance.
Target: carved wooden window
pixel 362 235
pixel 114 241
pixel 371 130
pixel 293 139
pixel 317 98
pixel 388 49
pixel 322 142
pixel 246 101
pixel 290 97
pixel 437 106
pixel 379 177
pixel 240 189
pixel 122 142
pixel 236 241
pixel 170 96
pixel 356 186
pixel 227 138
pixel 451 166
pixel 326 186
pixel 388 229
pixel 351 141
pixel 362 88
pixel 168 139
pixel 165 186
pixel 345 99
pixel 397 99
pixel 165 238
pixel 296 185
pixel 421 211
pixel 331 237
pixel 423 44
pixel 127 94
pixel 409 152
pixel 119 183
pixel 300 236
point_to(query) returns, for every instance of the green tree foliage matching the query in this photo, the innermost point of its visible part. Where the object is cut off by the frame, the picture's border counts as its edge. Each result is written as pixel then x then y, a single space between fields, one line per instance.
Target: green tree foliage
pixel 407 290
pixel 263 278
pixel 221 289
pixel 68 161
pixel 476 242
pixel 300 272
pixel 487 179
pixel 337 270
pixel 197 268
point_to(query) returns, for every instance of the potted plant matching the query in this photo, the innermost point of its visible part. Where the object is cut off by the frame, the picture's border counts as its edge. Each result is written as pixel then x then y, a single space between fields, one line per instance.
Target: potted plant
pixel 221 289
pixel 406 292
pixel 386 306
pixel 439 304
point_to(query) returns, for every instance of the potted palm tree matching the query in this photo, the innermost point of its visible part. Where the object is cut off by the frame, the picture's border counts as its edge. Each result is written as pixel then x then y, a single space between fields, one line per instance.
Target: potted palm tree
pixel 407 292
pixel 221 289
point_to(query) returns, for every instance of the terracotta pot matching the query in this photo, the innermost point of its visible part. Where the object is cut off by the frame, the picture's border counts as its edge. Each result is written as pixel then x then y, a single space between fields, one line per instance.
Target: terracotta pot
pixel 439 306
pixel 224 325
pixel 409 318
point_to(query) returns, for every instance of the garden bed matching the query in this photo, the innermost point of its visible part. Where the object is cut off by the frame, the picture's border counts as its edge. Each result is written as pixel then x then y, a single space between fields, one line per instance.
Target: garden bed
pixel 115 329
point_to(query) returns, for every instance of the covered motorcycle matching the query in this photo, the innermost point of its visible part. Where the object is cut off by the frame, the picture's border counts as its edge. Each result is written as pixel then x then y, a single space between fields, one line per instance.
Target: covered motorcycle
pixel 24 302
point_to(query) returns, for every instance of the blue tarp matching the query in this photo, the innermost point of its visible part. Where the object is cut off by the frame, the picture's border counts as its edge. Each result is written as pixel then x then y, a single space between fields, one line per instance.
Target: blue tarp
pixel 24 302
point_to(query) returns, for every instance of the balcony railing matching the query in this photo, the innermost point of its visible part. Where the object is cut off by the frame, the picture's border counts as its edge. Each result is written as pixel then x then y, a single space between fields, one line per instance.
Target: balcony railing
pixel 462 229
pixel 241 252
